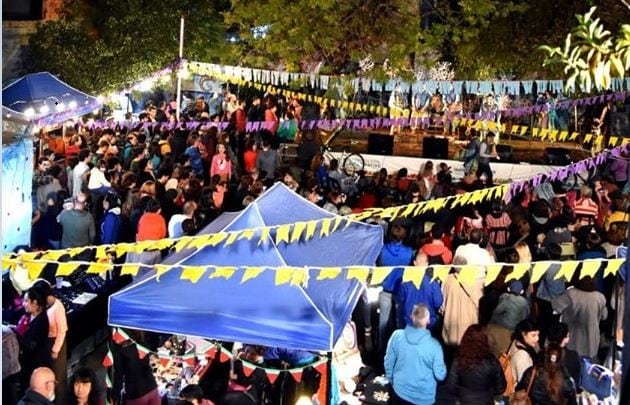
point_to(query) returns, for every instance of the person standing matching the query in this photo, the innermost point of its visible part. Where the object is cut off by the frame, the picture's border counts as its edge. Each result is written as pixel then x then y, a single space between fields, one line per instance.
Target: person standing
pixel 414 361
pixel 487 150
pixel 267 160
pixel 34 340
pixel 57 331
pixel 78 226
pixel 80 171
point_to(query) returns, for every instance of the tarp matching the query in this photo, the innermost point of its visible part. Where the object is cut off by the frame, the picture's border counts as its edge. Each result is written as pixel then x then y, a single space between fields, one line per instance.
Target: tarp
pixel 257 311
pixel 36 90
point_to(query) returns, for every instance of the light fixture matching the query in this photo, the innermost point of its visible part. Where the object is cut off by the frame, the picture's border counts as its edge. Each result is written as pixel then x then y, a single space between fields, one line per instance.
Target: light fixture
pixel 60 107
pixel 72 105
pixel 373 294
pixel 44 109
pixel 304 400
pixel 100 98
pixel 29 112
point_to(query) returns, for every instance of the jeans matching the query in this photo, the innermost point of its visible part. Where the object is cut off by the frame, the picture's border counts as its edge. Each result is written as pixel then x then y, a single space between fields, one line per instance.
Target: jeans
pixel 484 168
pixel 386 310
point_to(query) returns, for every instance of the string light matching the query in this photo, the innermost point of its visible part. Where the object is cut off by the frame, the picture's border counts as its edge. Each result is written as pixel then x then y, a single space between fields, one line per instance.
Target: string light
pixel 72 105
pixel 44 109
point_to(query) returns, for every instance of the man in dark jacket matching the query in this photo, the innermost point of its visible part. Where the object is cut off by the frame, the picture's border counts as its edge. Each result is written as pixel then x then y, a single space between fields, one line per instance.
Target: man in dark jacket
pixel 42 388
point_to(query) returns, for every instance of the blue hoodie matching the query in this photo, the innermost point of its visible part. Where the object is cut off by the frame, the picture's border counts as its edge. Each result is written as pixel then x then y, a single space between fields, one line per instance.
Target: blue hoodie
pixel 414 363
pixel 395 254
pixel 429 294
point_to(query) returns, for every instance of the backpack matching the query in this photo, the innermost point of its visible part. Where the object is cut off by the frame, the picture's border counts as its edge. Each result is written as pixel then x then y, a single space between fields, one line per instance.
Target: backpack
pixel 506 364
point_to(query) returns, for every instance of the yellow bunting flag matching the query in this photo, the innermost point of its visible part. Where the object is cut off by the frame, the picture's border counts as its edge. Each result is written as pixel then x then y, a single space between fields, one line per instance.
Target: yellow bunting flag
pixel 625 141
pixel 468 274
pixel 298 230
pixel 390 212
pixel 284 275
pixel 613 267
pixel 246 234
pixel 414 275
pixel 440 272
pixel 589 268
pixel 523 130
pixel 359 273
pixel 282 234
pixel 535 132
pixel 540 268
pixel 553 135
pixel 310 229
pixel 564 135
pixel 122 248
pixel 161 269
pixel 192 273
pixel 325 229
pixel 379 274
pixel 8 263
pixel 543 133
pixel 217 238
pixel 264 235
pixel 326 273
pixel 141 247
pixel 567 269
pixel 34 269
pixel 492 272
pixel 515 129
pixel 520 269
pixel 164 244
pixel 299 277
pixel 223 272
pixel 129 269
pixel 232 237
pixel 54 255
pixel 338 220
pixel 182 242
pixel 588 138
pixel 98 268
pixel 574 136
pixel 251 273
pixel 66 269
pixel 409 208
pixel 613 141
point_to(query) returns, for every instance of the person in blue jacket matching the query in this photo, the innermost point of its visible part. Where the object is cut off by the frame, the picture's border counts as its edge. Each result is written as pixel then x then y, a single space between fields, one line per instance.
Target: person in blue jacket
pixel 414 361
pixel 429 293
pixel 394 253
pixel 110 226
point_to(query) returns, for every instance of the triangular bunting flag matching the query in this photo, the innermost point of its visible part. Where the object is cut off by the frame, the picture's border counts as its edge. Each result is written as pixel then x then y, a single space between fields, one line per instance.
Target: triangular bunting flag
pixel 325 229
pixel 232 237
pixel 379 274
pixel 297 375
pixel 251 272
pixel 217 238
pixel 130 269
pixel 540 268
pixel 272 375
pixel 211 352
pixel 492 272
pixel 298 229
pixel 613 266
pixel 161 269
pixel 65 269
pixel 264 235
pixel 98 268
pixel 440 272
pixel 192 273
pixel 248 370
pixel 142 351
pixel 246 234
pixel 108 361
pixel 189 358
pixel 310 229
pixel 359 273
pixel 282 234
pixel 182 243
pixel 414 275
pixel 223 272
pixel 520 269
pixel 224 355
pixel 326 273
pixel 164 359
pixel 34 269
pixel 119 335
pixel 567 269
pixel 284 275
pixel 589 268
pixel 320 367
pixel 54 255
pixel 468 274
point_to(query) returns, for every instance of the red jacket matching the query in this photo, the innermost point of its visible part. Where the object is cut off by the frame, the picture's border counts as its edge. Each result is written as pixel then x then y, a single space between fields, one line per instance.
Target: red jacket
pixel 151 226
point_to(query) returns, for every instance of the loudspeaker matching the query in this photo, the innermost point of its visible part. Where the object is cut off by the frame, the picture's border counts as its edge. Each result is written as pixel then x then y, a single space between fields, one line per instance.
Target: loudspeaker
pixel 379 144
pixel 435 148
pixel 504 152
pixel 557 156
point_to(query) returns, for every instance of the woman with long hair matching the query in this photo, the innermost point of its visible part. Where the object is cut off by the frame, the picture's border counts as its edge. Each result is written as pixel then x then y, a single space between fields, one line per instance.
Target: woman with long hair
pixel 221 164
pixel 476 375
pixel 34 343
pixel 551 385
pixel 84 388
pixel 524 348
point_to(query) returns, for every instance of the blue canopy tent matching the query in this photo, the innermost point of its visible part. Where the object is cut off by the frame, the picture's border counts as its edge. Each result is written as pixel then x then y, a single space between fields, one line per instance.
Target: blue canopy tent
pixel 257 311
pixel 46 99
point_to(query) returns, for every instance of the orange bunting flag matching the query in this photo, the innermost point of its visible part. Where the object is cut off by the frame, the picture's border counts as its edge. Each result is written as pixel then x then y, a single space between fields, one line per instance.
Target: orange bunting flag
pixel 142 351
pixel 248 370
pixel 297 375
pixel 272 375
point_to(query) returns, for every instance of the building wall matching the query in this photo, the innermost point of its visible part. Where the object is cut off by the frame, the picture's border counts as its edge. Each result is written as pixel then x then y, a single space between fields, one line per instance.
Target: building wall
pixel 15 36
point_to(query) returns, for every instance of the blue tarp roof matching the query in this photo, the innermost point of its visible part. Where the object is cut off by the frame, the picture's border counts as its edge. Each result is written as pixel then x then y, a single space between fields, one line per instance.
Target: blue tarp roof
pixel 35 90
pixel 257 311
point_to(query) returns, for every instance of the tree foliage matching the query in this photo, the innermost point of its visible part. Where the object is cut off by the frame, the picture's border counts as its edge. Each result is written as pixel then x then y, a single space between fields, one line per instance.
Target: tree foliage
pixel 591 56
pixel 303 33
pixel 109 43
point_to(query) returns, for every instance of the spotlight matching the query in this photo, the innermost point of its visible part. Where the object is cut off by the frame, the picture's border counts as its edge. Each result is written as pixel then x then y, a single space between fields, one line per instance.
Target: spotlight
pixel 100 98
pixel 44 109
pixel 29 112
pixel 60 107
pixel 72 105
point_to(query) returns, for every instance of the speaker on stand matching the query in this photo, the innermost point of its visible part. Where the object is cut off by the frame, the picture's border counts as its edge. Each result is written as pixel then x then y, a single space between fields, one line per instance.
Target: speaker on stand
pixel 379 144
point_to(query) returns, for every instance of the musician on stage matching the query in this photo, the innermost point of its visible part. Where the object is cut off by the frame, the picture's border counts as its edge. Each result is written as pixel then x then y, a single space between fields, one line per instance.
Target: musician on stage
pixel 487 150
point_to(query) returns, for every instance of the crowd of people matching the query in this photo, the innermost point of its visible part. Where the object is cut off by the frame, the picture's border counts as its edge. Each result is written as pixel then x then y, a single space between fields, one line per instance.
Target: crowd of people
pixel 131 184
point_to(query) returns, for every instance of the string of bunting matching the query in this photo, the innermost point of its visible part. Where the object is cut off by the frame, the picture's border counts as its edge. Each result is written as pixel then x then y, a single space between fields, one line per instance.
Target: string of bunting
pixel 301 276
pixel 287 233
pixel 224 355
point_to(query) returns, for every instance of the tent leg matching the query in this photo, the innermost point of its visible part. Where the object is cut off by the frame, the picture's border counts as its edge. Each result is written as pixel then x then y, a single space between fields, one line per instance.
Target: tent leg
pixel 329 379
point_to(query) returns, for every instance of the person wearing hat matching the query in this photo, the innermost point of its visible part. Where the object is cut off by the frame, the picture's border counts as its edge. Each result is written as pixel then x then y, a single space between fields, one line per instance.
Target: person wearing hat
pixel 487 150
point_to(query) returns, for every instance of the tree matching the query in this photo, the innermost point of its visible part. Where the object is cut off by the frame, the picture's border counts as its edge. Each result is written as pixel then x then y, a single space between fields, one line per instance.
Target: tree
pixel 591 57
pixel 335 35
pixel 102 45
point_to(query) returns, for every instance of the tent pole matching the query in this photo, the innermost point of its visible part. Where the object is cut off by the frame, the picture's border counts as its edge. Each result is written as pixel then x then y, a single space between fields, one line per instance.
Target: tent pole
pixel 329 379
pixel 179 76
